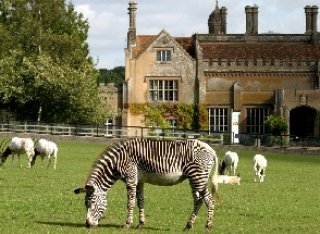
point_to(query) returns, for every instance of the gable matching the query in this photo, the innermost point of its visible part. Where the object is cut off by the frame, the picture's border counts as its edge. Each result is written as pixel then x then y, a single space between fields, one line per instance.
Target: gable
pixel 145 42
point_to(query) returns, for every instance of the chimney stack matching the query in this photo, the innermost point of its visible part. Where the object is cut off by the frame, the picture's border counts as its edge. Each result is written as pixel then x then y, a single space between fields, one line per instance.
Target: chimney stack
pixel 315 18
pixel 223 11
pixel 251 20
pixel 131 35
pixel 311 19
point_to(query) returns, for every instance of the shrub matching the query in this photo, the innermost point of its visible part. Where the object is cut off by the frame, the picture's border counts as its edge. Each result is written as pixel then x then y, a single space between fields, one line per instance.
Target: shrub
pixel 276 125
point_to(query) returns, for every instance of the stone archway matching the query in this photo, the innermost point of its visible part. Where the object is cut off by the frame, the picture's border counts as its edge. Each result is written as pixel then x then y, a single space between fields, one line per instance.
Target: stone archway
pixel 302 121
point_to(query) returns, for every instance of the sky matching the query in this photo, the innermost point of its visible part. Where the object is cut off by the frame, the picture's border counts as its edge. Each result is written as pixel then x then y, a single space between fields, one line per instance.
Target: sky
pixel 109 21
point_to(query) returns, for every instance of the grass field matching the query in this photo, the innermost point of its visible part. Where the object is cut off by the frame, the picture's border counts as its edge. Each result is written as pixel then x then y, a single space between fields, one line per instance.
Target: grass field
pixel 41 200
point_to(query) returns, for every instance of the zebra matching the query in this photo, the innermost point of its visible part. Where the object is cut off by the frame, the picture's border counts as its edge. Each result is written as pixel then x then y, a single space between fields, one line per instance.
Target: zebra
pixel 157 162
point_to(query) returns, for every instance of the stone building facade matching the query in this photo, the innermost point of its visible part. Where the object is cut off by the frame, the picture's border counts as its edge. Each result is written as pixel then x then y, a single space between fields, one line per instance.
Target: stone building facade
pixel 239 78
pixel 112 97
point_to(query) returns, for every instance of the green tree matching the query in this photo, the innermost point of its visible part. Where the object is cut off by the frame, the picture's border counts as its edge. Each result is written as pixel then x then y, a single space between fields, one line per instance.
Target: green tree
pixel 276 125
pixel 34 26
pixel 115 75
pixel 64 93
pixel 46 72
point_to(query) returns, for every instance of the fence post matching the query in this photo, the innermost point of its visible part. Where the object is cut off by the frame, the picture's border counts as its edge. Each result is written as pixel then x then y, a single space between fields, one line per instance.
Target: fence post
pixel 97 130
pixel 257 141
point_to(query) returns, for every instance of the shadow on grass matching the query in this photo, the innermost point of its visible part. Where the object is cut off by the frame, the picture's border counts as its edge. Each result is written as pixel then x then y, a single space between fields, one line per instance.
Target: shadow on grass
pixel 82 225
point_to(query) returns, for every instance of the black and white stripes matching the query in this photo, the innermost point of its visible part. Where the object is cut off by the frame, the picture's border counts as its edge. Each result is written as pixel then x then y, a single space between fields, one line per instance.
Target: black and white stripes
pixel 163 163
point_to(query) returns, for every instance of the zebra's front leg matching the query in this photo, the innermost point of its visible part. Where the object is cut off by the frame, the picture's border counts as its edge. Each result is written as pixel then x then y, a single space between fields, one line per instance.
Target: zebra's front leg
pixel 140 201
pixel 197 203
pixel 131 196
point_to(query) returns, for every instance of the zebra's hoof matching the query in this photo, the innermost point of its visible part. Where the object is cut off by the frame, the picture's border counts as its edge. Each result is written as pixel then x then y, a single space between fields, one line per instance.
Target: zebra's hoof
pixel 208 227
pixel 140 226
pixel 188 227
pixel 126 226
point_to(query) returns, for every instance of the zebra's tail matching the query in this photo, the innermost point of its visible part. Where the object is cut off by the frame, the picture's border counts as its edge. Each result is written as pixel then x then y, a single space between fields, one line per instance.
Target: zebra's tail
pixel 214 177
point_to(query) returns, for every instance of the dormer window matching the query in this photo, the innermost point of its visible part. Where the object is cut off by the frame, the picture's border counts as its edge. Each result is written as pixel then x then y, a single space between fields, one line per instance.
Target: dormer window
pixel 164 55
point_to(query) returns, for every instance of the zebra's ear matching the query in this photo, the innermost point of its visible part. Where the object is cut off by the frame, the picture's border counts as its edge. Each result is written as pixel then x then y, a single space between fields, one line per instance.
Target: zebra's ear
pixel 87 189
pixel 79 190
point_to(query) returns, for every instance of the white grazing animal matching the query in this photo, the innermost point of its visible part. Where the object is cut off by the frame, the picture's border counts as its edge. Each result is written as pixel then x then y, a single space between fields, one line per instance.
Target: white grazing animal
pixel 259 166
pixel 229 163
pixel 48 149
pixel 19 146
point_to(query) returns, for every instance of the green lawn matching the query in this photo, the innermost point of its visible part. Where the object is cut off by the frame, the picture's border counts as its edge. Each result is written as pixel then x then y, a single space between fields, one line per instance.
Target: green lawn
pixel 41 200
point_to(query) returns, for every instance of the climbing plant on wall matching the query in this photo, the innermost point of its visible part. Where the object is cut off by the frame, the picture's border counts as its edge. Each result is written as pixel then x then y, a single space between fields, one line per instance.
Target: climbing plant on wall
pixel 188 116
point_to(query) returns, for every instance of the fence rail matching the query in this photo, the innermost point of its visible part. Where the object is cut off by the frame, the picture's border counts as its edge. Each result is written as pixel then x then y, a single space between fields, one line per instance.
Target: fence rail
pixel 53 129
pixel 111 131
pixel 105 131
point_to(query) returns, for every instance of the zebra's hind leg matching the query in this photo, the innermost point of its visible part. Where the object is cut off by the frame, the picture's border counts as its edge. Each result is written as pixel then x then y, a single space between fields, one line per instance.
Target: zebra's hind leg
pixel 197 203
pixel 140 202
pixel 210 205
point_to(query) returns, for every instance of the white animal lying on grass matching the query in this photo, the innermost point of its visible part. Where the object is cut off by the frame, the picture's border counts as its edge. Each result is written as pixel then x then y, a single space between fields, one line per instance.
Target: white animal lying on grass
pixel 46 148
pixel 225 179
pixel 19 146
pixel 259 166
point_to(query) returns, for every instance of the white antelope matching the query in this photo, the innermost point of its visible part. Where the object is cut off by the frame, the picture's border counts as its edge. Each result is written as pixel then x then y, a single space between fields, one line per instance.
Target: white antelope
pixel 229 163
pixel 48 149
pixel 19 146
pixel 259 166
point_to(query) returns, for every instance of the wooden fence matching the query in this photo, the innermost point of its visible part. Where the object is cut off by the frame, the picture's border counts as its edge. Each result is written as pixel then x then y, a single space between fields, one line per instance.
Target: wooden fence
pixel 109 131
pixel 112 131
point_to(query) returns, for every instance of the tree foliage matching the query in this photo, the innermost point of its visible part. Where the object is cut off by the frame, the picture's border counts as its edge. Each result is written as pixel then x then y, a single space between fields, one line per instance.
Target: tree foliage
pixel 115 75
pixel 46 72
pixel 276 125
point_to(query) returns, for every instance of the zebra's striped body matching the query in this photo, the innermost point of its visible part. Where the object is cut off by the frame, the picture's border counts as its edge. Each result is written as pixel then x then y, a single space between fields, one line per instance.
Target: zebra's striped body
pixel 164 163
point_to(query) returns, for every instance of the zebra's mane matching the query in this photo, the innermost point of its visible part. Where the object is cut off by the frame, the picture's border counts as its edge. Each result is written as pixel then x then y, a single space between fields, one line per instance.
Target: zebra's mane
pixel 104 154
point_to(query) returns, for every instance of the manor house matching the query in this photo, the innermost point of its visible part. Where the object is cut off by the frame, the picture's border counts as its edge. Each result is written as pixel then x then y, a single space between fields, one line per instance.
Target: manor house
pixel 239 78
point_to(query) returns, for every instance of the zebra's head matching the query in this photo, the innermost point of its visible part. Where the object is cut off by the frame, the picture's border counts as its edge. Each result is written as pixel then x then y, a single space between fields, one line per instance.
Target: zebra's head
pixel 96 204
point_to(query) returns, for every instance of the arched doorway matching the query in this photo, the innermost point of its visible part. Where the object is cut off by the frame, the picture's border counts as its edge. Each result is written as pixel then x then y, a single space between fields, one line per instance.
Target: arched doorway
pixel 302 121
